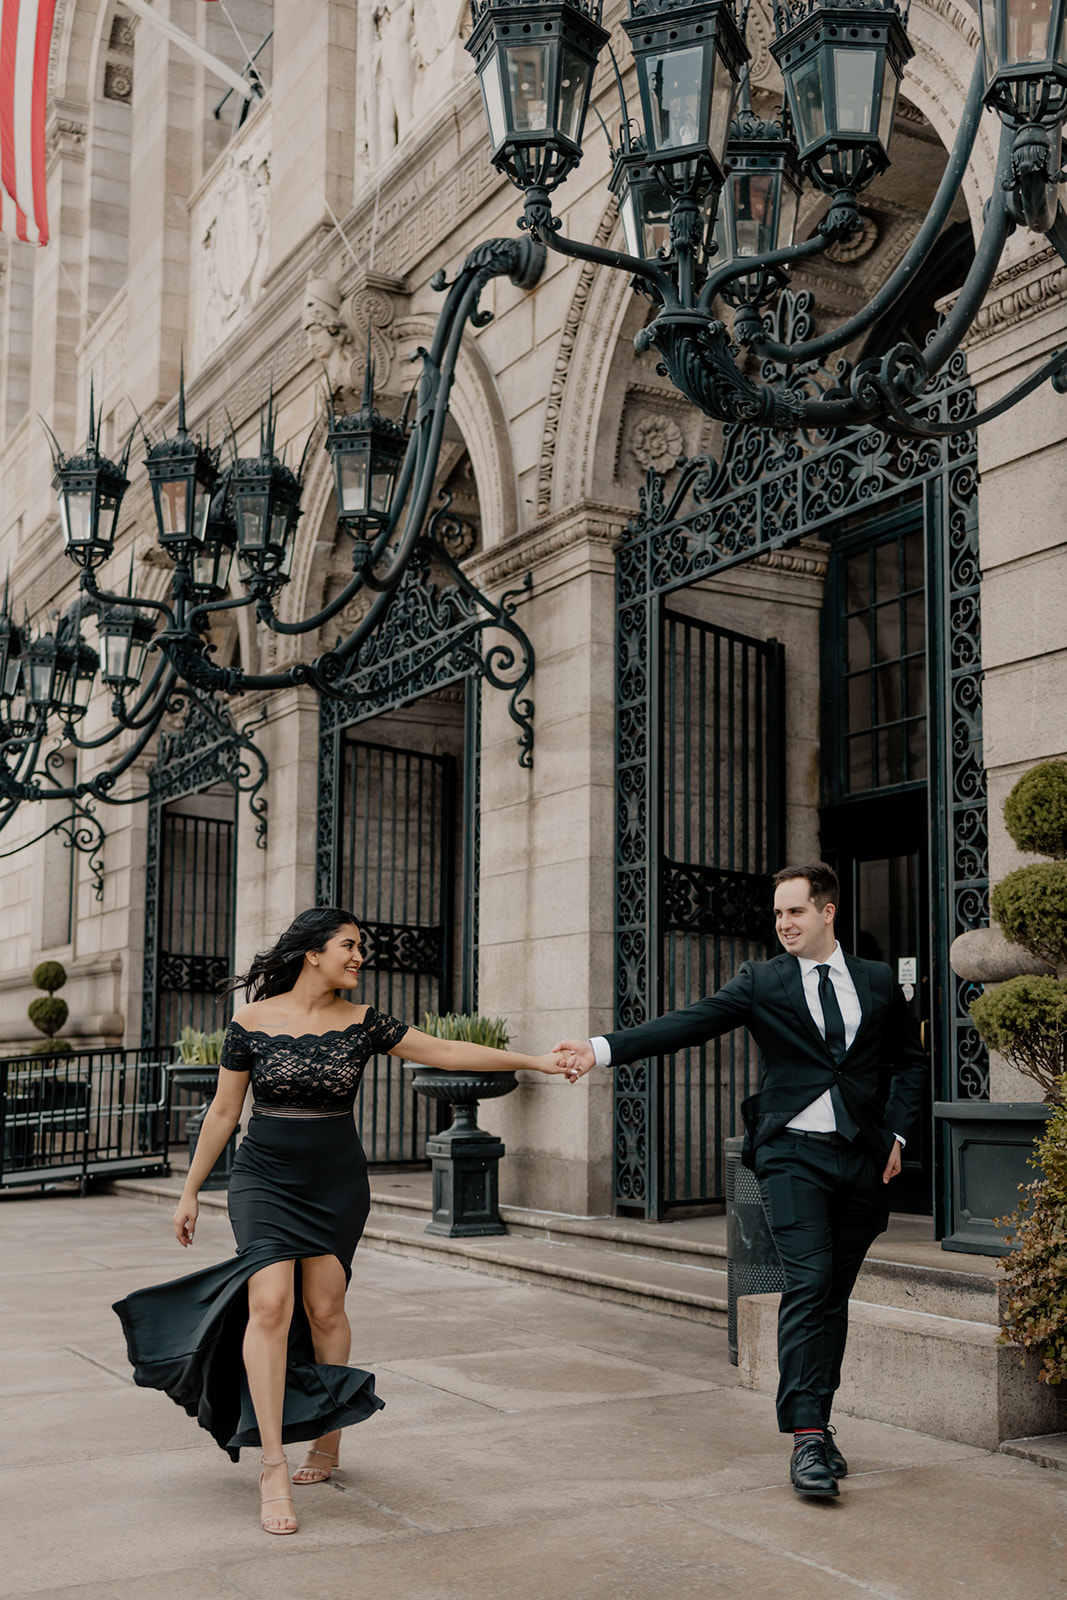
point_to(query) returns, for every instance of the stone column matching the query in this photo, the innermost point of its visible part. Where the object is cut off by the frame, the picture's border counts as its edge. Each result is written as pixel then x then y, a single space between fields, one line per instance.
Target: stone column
pixel 161 180
pixel 275 883
pixel 313 99
pixel 546 917
pixel 1023 461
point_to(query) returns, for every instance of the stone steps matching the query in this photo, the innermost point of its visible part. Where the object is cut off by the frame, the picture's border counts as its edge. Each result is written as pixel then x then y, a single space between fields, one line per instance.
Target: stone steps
pixel 938 1374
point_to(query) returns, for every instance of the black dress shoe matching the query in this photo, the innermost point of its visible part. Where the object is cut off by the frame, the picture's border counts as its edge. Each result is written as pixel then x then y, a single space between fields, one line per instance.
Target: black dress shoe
pixel 809 1470
pixel 834 1459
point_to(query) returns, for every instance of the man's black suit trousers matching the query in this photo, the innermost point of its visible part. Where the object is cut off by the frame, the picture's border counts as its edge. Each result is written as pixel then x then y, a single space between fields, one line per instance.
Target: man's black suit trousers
pixel 826 1204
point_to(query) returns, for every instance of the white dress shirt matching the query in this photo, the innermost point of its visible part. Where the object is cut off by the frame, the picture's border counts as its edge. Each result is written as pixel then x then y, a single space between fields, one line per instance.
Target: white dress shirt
pixel 819 1116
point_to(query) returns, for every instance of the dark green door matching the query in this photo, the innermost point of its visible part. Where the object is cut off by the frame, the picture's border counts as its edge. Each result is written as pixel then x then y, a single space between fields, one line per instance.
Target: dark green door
pixel 875 827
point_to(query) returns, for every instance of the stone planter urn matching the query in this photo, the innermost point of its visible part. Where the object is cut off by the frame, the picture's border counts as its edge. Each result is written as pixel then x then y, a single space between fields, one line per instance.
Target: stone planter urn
pixel 990 1142
pixel 465 1159
pixel 200 1078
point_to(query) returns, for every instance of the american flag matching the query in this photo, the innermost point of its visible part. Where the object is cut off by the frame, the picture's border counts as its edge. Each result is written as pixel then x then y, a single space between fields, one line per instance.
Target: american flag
pixel 25 40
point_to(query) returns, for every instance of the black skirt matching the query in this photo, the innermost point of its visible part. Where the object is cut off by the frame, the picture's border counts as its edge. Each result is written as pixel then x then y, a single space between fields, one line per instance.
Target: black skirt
pixel 298 1189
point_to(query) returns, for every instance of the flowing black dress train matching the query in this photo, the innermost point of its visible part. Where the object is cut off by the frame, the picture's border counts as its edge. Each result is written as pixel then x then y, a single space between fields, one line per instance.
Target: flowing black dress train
pixel 298 1188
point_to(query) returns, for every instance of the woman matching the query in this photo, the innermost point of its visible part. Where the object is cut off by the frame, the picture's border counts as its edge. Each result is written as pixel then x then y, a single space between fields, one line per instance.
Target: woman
pixel 298 1202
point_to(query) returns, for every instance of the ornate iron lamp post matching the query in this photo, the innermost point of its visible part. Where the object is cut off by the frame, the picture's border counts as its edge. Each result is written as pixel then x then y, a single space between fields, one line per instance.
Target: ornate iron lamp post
pixel 842 63
pixel 384 474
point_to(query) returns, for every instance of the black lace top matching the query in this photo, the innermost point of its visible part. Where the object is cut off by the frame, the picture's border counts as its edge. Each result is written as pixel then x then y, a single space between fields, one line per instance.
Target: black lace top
pixel 314 1072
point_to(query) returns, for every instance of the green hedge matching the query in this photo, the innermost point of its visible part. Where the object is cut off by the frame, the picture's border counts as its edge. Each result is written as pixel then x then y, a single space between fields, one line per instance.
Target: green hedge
pixel 1035 1317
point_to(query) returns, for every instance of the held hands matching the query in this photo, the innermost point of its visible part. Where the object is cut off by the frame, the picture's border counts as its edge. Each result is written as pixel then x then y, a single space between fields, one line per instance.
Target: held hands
pixel 185 1215
pixel 553 1063
pixel 578 1058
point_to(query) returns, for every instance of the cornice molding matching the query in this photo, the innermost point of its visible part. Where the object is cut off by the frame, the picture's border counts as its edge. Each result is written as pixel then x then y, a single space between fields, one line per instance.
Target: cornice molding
pixel 588 523
pixel 1011 302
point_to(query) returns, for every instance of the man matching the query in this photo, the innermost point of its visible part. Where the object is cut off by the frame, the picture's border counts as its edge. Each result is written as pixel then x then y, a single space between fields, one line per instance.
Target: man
pixel 822 1135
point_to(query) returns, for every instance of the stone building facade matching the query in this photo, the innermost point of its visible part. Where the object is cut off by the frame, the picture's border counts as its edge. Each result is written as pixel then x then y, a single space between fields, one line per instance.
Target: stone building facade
pixel 266 253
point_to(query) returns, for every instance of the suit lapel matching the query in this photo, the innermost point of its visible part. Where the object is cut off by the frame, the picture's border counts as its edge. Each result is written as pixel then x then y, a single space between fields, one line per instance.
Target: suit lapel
pixel 861 978
pixel 793 984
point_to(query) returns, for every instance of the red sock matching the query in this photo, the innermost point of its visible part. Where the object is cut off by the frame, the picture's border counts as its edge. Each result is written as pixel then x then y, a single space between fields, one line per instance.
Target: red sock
pixel 800 1434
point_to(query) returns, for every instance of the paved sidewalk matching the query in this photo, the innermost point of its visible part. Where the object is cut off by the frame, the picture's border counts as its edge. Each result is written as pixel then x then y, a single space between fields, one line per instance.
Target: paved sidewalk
pixel 534 1444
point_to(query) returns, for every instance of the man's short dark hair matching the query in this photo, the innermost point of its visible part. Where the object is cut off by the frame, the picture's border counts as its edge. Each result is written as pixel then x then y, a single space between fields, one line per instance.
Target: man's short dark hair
pixel 822 880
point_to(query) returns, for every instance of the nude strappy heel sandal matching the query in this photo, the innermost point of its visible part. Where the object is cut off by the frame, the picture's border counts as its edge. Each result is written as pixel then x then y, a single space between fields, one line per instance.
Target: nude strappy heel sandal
pixel 272 1497
pixel 319 1475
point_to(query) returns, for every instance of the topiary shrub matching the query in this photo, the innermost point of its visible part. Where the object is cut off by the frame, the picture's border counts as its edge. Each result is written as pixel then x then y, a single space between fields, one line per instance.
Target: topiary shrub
pixel 46 1012
pixel 1026 1020
pixel 1035 813
pixel 49 975
pixel 1031 906
pixel 1035 1316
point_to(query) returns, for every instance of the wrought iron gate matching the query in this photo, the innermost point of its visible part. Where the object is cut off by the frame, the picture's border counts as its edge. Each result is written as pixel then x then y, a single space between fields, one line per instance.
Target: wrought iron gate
pixel 721 821
pixel 397 875
pixel 763 494
pixel 190 882
pixel 196 911
pixel 430 642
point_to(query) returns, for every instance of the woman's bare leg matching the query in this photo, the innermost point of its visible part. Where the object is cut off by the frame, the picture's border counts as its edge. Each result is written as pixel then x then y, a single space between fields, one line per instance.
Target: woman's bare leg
pixel 270 1311
pixel 324 1286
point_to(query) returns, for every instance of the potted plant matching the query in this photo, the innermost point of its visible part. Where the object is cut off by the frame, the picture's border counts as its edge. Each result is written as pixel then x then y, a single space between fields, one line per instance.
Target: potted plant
pixel 1022 1013
pixel 196 1072
pixel 465 1159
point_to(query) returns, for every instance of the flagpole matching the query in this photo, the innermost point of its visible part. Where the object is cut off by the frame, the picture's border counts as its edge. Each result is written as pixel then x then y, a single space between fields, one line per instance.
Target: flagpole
pixel 233 80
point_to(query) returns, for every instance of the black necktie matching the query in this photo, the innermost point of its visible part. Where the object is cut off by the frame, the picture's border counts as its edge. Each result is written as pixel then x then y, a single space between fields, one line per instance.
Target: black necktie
pixel 834 1025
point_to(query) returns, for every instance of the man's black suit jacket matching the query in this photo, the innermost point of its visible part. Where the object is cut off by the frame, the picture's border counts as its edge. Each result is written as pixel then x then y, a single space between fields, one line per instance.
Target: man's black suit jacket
pixel 881 1076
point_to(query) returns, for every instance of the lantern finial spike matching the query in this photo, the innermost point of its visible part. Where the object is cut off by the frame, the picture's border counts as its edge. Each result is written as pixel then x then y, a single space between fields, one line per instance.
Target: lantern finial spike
pixel 92 421
pixel 181 391
pixel 368 376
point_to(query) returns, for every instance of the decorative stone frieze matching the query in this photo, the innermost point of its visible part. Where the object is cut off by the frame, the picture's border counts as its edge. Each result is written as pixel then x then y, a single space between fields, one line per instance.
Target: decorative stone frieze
pixel 565 351
pixel 230 235
pixel 65 132
pixel 656 441
pixel 1010 302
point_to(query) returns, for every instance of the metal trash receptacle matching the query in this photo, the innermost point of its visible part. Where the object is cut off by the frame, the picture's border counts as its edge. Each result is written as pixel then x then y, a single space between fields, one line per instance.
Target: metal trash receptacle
pixel 752 1264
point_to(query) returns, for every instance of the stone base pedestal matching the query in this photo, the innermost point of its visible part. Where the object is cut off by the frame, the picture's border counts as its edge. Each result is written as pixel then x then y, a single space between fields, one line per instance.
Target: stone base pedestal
pixel 466 1182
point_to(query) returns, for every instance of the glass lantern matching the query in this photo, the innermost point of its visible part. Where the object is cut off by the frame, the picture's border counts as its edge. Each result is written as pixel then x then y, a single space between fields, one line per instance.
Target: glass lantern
pixel 688 60
pixel 1025 48
pixel 90 490
pixel 212 561
pixel 367 449
pixel 760 199
pixel 125 634
pixel 266 508
pixel 842 67
pixel 535 61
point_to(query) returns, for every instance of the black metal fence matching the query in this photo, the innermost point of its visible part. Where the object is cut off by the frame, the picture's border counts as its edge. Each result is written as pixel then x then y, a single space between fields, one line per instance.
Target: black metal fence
pixel 88 1114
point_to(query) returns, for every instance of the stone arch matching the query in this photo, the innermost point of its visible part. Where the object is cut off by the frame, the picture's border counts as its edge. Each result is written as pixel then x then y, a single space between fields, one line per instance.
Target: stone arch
pixel 478 412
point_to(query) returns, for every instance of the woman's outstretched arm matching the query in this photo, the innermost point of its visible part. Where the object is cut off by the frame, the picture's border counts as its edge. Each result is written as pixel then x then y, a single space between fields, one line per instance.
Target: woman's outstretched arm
pixel 455 1055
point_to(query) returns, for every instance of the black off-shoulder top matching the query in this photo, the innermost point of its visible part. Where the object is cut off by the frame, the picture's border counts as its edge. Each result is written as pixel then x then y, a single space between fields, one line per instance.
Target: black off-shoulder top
pixel 311 1072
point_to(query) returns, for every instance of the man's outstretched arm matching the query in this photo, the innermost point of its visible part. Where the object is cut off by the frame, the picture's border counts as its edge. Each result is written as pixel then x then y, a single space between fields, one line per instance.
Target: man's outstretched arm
pixel 728 1008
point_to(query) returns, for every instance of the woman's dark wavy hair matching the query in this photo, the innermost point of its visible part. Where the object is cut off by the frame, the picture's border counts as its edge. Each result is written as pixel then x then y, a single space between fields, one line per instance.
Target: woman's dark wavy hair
pixel 276 970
